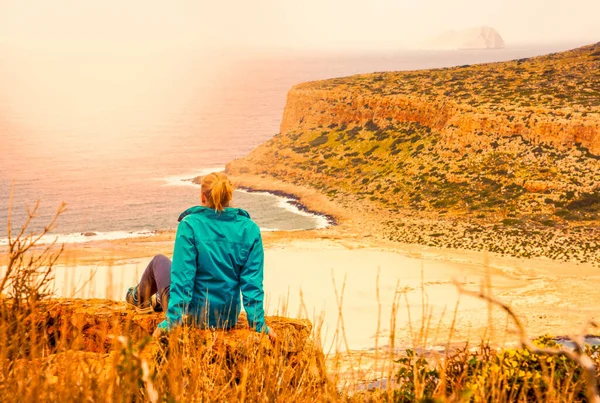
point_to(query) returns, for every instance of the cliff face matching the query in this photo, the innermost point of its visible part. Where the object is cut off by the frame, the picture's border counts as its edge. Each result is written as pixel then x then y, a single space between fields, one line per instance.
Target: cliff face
pixel 513 143
pixel 553 99
pixel 308 109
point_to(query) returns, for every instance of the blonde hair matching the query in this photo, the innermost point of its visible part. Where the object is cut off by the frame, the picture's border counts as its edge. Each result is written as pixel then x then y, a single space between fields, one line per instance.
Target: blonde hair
pixel 218 190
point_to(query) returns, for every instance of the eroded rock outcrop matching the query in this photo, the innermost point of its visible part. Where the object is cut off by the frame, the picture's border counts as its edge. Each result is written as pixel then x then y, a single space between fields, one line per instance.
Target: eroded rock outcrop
pixel 96 333
pixel 552 99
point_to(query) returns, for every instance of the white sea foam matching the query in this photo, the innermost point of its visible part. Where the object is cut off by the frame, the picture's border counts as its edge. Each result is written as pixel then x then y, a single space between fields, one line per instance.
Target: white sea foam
pixel 82 237
pixel 288 204
pixel 281 202
pixel 179 180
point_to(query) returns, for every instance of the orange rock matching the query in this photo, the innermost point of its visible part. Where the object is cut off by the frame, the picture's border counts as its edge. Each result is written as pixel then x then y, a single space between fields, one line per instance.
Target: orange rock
pixel 106 332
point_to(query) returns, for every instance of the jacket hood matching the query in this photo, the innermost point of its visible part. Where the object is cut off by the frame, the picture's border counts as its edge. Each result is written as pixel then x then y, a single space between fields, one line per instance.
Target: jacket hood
pixel 229 213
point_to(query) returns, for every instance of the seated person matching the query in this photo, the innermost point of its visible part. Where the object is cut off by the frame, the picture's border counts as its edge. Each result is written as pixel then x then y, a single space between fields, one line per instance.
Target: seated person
pixel 218 254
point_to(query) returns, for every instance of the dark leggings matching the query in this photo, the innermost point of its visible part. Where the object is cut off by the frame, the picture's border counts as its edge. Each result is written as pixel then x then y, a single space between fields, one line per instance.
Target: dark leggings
pixel 156 279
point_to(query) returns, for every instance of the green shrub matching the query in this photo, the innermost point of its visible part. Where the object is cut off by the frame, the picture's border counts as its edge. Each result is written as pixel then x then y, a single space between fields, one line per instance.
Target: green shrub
pixel 414 370
pixel 368 153
pixel 371 126
pixel 322 139
pixel 301 149
pixel 589 202
pixel 510 221
pixel 567 215
pixel 486 375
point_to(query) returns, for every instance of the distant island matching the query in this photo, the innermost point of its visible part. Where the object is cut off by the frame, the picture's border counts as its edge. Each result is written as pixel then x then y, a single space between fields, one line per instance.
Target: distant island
pixel 503 157
pixel 474 38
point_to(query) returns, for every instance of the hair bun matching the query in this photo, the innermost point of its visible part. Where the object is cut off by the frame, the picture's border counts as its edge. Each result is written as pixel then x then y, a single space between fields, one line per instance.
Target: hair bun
pixel 218 190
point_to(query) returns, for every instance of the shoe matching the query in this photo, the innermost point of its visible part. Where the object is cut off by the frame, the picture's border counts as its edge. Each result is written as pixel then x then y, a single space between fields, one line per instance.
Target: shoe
pixel 156 304
pixel 143 308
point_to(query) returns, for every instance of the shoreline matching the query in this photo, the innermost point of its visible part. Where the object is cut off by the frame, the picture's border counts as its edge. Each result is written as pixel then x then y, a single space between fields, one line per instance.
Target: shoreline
pixel 294 201
pixel 310 200
pixel 76 238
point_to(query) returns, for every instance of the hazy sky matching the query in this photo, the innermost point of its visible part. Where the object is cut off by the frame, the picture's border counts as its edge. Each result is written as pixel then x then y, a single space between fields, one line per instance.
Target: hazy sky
pixel 291 24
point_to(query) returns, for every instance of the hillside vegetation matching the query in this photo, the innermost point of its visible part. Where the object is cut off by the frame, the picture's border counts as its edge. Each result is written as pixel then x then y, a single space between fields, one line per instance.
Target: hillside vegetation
pixel 502 156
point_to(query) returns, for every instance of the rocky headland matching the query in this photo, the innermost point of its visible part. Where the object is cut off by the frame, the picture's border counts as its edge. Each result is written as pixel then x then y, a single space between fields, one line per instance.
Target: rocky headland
pixel 502 157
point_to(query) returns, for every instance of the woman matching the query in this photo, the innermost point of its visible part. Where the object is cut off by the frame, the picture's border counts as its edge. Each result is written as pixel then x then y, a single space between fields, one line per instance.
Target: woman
pixel 218 253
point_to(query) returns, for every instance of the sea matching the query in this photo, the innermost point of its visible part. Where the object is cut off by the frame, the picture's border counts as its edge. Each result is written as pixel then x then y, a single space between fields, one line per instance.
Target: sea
pixel 117 136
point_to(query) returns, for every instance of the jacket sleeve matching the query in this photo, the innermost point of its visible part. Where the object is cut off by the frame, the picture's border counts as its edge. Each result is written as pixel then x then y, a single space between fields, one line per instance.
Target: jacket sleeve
pixel 183 274
pixel 251 285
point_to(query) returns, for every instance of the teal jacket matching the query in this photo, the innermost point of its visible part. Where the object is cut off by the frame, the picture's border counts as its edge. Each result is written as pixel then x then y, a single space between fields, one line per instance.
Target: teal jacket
pixel 216 256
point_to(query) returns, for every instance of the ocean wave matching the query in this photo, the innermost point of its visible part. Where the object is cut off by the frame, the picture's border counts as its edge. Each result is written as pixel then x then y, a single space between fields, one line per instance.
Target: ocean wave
pixel 286 203
pixel 293 206
pixel 83 237
pixel 280 201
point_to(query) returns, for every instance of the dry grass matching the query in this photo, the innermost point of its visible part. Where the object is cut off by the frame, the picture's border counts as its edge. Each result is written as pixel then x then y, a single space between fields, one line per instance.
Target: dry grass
pixel 190 369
